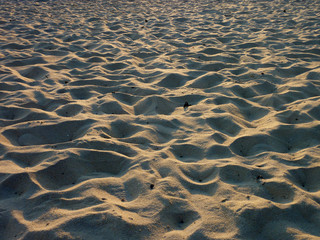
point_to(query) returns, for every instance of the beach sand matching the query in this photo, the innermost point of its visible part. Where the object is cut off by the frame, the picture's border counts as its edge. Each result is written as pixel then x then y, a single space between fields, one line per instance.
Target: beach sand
pixel 149 119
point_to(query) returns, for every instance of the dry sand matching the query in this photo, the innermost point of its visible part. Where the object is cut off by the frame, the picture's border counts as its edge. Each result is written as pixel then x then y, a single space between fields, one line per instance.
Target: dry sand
pixel 150 119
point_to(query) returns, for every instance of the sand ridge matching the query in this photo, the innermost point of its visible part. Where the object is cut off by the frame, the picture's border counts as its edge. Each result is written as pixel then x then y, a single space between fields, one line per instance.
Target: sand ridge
pixel 159 119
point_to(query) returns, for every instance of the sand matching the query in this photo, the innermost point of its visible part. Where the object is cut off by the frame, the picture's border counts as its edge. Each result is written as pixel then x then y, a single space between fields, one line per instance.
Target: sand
pixel 149 119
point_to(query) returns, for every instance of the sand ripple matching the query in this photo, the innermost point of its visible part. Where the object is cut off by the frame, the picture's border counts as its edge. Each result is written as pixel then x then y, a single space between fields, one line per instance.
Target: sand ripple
pixel 159 119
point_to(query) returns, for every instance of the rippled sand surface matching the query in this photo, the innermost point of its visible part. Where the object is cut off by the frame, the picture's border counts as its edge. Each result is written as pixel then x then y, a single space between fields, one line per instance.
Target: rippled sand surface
pixel 146 119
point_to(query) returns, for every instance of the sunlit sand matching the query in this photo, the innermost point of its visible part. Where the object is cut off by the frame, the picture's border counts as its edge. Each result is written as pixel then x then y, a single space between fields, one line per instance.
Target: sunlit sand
pixel 144 119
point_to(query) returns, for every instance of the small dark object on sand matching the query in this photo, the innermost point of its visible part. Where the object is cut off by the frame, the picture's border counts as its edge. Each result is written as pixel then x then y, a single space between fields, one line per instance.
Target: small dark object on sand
pixel 259 177
pixel 284 10
pixel 151 186
pixel 186 104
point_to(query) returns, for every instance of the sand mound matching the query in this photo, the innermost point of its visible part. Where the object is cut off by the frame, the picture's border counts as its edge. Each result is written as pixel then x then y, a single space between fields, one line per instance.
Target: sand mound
pixel 147 119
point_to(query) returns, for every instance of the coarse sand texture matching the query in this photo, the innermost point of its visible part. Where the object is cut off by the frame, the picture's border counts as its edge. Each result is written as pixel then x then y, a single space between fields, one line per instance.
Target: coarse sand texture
pixel 158 119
